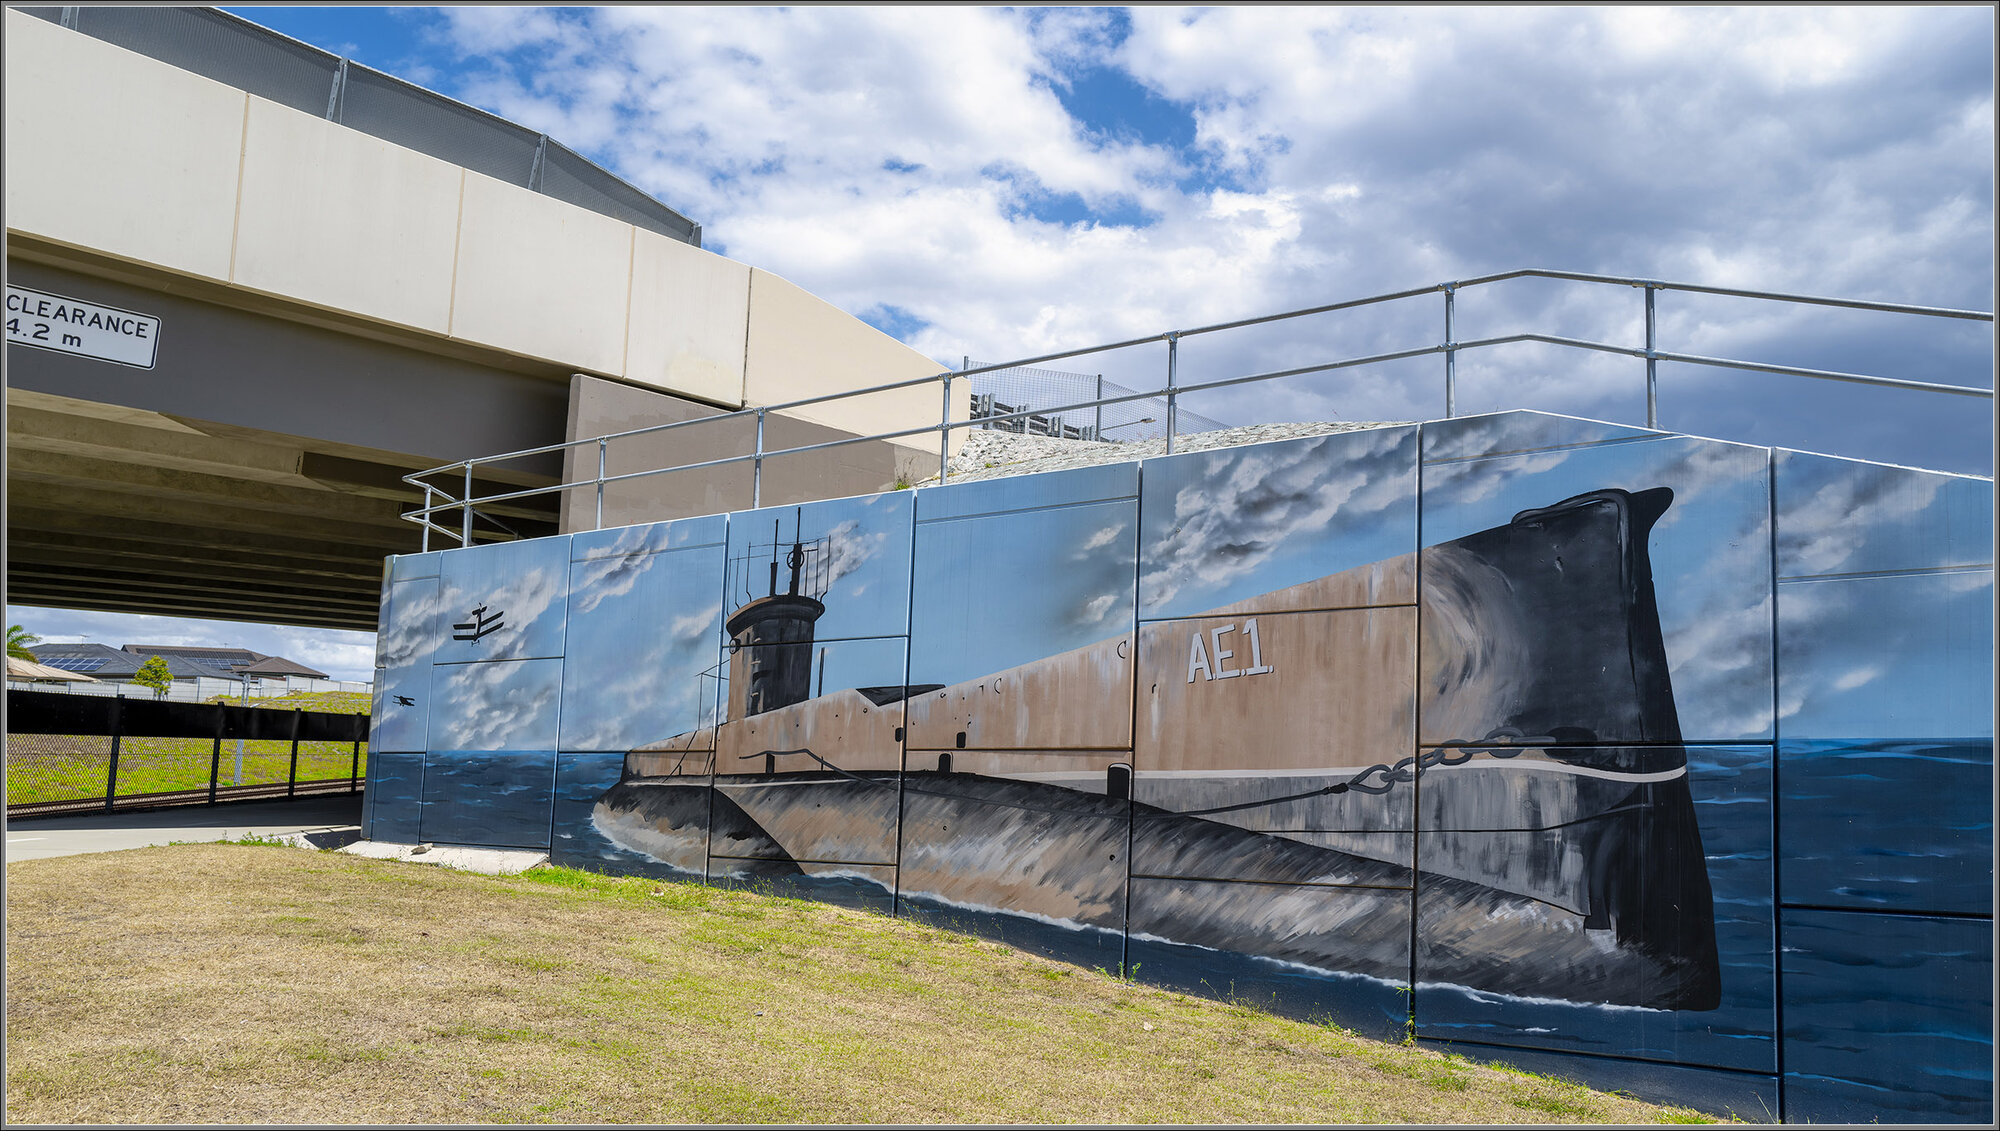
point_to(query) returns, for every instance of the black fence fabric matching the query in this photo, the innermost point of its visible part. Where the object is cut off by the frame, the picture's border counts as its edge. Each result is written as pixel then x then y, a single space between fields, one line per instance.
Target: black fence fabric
pixel 75 753
pixel 45 712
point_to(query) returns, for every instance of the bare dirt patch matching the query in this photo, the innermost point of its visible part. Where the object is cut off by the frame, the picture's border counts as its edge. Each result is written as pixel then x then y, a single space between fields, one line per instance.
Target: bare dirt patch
pixel 251 984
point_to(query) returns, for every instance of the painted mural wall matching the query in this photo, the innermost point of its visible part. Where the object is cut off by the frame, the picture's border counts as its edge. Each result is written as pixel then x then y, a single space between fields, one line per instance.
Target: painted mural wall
pixel 1659 762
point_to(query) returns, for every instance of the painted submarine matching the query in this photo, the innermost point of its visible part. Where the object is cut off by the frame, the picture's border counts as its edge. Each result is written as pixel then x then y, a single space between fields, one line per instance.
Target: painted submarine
pixel 1539 754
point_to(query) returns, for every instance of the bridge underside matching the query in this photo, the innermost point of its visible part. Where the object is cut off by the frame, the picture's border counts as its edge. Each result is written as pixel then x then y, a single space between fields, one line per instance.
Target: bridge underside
pixel 127 510
pixel 256 472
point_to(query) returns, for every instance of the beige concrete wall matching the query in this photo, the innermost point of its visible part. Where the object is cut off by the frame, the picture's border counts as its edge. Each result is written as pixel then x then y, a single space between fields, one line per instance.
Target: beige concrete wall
pixel 541 281
pixel 599 407
pixel 116 154
pixel 690 318
pixel 384 225
pixel 111 150
pixel 801 346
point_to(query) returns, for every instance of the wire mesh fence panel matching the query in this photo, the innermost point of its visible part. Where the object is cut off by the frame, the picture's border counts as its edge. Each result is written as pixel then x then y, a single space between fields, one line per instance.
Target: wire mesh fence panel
pixel 56 770
pixel 266 761
pixel 321 762
pixel 152 766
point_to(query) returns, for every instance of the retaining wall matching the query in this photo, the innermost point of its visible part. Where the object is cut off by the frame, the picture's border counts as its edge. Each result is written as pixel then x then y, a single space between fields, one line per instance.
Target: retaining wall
pixel 1656 761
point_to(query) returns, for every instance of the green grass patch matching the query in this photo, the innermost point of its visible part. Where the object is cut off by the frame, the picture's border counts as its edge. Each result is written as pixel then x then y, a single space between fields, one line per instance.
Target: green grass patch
pixel 272 987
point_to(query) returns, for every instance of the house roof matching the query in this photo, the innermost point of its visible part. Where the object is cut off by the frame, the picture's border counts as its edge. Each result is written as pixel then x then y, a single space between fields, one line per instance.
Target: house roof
pixel 274 666
pixel 18 668
pixel 106 662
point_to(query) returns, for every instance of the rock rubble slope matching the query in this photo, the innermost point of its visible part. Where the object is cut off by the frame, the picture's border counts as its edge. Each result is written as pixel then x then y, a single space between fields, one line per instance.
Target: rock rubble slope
pixel 981 454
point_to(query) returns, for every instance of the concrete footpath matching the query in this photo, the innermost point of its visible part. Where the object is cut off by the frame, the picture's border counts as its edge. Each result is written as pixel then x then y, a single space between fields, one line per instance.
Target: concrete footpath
pixel 311 822
pixel 321 822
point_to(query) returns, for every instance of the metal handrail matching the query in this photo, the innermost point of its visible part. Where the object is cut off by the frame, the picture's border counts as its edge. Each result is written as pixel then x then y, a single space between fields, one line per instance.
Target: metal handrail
pixel 1174 389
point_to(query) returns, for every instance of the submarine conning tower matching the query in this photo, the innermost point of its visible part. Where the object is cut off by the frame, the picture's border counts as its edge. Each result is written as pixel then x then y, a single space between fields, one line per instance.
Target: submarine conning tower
pixel 770 646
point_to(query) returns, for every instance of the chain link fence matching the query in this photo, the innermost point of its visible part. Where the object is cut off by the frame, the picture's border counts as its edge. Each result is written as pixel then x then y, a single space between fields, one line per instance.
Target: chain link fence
pixel 66 755
pixel 1005 392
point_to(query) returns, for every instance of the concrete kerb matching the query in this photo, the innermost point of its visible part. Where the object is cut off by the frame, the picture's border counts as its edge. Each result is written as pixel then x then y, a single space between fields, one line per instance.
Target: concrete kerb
pixel 464 857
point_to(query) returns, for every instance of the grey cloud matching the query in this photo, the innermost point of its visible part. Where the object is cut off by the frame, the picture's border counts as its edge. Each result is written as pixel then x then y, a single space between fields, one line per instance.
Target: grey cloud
pixel 848 549
pixel 1228 523
pixel 597 580
pixel 495 705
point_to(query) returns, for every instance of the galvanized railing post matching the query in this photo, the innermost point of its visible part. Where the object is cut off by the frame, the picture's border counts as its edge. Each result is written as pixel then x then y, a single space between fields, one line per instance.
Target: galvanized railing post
pixel 1173 374
pixel 1450 352
pixel 602 443
pixel 428 493
pixel 1652 366
pixel 465 529
pixel 757 468
pixel 944 429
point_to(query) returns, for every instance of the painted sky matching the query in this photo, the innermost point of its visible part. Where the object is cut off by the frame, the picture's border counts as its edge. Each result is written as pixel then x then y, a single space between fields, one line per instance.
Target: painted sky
pixel 1001 182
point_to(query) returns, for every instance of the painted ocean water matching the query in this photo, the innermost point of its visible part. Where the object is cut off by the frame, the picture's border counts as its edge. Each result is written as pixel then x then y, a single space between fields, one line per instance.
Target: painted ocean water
pixel 1891 825
pixel 1731 787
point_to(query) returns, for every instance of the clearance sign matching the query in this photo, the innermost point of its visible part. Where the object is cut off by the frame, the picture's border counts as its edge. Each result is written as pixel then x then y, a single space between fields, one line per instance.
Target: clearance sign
pixel 68 325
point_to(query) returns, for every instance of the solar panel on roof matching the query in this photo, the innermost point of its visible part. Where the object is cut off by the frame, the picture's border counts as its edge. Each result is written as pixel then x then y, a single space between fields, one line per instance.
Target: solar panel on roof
pixel 75 663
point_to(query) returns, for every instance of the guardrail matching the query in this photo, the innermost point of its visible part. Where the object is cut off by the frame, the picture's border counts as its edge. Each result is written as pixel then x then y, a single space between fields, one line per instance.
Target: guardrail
pixel 466 504
pixel 70 753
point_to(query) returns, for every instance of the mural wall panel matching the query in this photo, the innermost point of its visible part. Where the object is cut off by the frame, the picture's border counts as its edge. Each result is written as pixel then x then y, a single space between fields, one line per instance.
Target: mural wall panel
pixel 1645 928
pixel 1323 953
pixel 503 705
pixel 671 842
pixel 1024 846
pixel 493 797
pixel 1484 725
pixel 1750 1097
pixel 403 648
pixel 504 602
pixel 1025 585
pixel 1272 723
pixel 850 555
pixel 1620 591
pixel 396 787
pixel 1888 1018
pixel 1324 522
pixel 643 646
pixel 1885 696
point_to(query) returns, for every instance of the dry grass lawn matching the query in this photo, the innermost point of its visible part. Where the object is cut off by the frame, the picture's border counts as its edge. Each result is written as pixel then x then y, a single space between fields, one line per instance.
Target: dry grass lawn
pixel 253 984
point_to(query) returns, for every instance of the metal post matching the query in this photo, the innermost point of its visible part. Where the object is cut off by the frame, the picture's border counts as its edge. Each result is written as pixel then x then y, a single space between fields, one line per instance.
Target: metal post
pixel 354 766
pixel 757 468
pixel 117 733
pixel 425 546
pixel 239 738
pixel 602 443
pixel 292 778
pixel 1173 371
pixel 1652 367
pixel 215 755
pixel 1098 432
pixel 1450 352
pixel 465 529
pixel 944 429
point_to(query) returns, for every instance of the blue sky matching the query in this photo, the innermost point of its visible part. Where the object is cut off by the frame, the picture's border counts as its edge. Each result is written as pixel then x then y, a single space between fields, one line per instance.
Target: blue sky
pixel 1000 183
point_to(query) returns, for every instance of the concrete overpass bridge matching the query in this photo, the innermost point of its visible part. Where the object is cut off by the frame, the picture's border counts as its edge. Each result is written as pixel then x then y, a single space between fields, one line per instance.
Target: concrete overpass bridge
pixel 252 285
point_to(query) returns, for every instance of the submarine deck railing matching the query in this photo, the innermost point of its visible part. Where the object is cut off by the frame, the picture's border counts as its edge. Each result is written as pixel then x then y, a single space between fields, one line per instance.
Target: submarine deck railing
pixel 467 504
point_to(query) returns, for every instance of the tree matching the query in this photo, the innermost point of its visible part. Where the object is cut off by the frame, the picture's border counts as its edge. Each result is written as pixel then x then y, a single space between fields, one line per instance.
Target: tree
pixel 18 639
pixel 155 674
